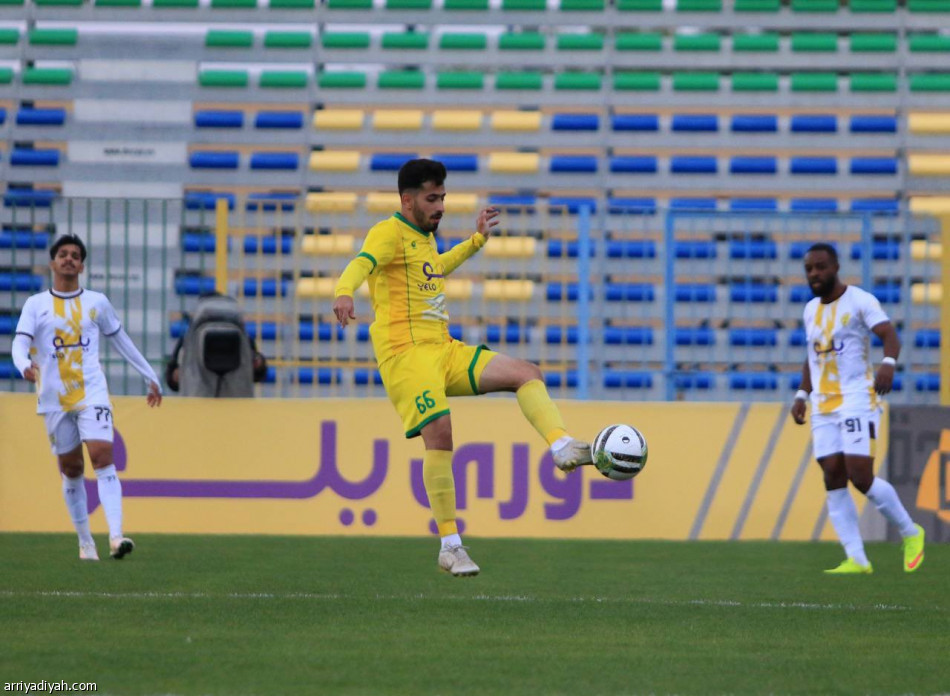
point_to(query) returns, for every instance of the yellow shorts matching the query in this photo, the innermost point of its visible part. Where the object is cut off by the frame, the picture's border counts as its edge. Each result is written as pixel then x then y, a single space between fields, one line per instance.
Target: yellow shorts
pixel 420 380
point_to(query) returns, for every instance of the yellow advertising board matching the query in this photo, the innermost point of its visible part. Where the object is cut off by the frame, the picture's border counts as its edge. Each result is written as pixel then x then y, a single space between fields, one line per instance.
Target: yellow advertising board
pixel 342 466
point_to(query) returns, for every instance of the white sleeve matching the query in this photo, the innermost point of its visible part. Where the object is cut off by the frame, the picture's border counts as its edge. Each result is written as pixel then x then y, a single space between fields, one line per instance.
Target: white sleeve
pixel 122 343
pixel 21 352
pixel 106 318
pixel 872 312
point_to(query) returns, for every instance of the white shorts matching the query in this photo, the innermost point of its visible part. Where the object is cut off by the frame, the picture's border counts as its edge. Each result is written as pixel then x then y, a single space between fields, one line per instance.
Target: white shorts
pixel 853 433
pixel 67 430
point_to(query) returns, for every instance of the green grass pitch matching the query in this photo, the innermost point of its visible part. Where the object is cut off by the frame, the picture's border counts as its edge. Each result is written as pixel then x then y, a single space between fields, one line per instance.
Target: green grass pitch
pixel 302 615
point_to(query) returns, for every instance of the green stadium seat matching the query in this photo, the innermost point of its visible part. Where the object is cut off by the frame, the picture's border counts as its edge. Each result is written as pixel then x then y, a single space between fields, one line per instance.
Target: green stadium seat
pixel 53 37
pixel 761 43
pixel 695 82
pixel 929 43
pixel 406 40
pixel 580 42
pixel 216 38
pixel 873 43
pixel 582 5
pixel 521 41
pixel 47 76
pixel 466 41
pixel 342 79
pixel 814 43
pixel 467 5
pixel 524 5
pixel 640 5
pixel 288 39
pixel 814 82
pixel 928 5
pixel 284 79
pixel 408 4
pixel 873 5
pixel 401 79
pixel 696 42
pixel 118 3
pixel 460 80
pixel 9 36
pixel 11 2
pixel 758 5
pixel 345 39
pixel 637 81
pixel 814 5
pixel 6 76
pixel 291 4
pixel 519 80
pixel 873 82
pixel 233 4
pixel 930 82
pixel 223 78
pixel 699 6
pixel 59 3
pixel 175 4
pixel 577 81
pixel 350 4
pixel 754 82
pixel 639 42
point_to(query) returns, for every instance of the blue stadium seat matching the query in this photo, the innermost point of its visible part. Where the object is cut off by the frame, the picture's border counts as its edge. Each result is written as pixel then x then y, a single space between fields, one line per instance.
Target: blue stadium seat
pixel 271 200
pixel 631 206
pixel 271 375
pixel 797 338
pixel 28 197
pixel 558 248
pixel 753 292
pixel 813 205
pixel 927 338
pixel 575 164
pixel 693 203
pixel 513 203
pixel 265 287
pixel 628 164
pixel 799 294
pixel 814 123
pixel 458 162
pixel 194 285
pixel 694 249
pixel 320 375
pixel 814 165
pixel 559 334
pixel 875 206
pixel 206 200
pixel 214 160
pixel 362 377
pixel 887 293
pixel 629 292
pixel 177 328
pixel 572 204
pixel 694 336
pixel 694 380
pixel 558 292
pixel 8 324
pixel 755 381
pixel 693 164
pixel 929 382
pixel 22 157
pixel 754 123
pixel 628 379
pixel 752 337
pixel 874 165
pixel 635 122
pixel 696 123
pixel 20 281
pixel 873 124
pixel 510 333
pixel 741 205
pixel 631 249
pixel 275 160
pixel 881 250
pixel 8 371
pixel 443 244
pixel 195 242
pixel 389 162
pixel 362 333
pixel 753 165
pixel 561 379
pixel 695 292
pixel 575 122
pixel 265 331
pixel 291 120
pixel 219 119
pixel 322 331
pixel 23 239
pixel 269 245
pixel 3 115
pixel 40 117
pixel 753 249
pixel 628 335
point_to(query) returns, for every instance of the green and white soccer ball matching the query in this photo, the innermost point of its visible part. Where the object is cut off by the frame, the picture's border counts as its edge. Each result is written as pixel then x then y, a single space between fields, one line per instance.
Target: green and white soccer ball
pixel 619 452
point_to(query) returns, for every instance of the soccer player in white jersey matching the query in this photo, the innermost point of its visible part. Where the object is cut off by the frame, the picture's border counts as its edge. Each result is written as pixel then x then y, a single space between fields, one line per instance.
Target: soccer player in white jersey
pixel 56 346
pixel 838 378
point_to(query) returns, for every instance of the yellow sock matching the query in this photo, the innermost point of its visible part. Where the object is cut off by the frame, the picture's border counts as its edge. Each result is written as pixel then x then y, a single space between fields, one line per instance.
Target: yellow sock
pixel 440 487
pixel 540 411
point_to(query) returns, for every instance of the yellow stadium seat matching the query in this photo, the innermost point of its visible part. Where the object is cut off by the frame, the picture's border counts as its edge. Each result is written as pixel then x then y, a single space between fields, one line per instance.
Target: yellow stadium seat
pixel 338 119
pixel 382 202
pixel 511 247
pixel 322 288
pixel 335 161
pixel 457 203
pixel 449 120
pixel 331 202
pixel 922 250
pixel 929 165
pixel 514 162
pixel 926 293
pixel 401 119
pixel 526 121
pixel 328 244
pixel 458 289
pixel 508 290
pixel 930 205
pixel 929 124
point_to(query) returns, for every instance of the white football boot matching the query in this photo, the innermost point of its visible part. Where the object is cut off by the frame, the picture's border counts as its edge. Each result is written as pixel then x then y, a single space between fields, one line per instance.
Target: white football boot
pixel 120 547
pixel 572 455
pixel 455 560
pixel 87 552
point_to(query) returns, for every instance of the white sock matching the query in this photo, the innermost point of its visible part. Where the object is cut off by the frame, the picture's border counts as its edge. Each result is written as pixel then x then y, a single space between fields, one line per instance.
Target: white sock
pixel 843 514
pixel 885 499
pixel 561 443
pixel 450 541
pixel 74 493
pixel 110 494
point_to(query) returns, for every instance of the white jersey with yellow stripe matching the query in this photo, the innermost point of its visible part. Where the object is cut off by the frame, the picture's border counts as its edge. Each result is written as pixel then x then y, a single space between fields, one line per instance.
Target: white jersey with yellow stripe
pixel 839 346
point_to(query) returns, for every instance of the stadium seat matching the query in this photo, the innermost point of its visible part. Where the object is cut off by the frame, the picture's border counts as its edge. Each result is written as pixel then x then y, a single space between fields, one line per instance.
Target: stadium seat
pixel 887 293
pixel 265 287
pixel 363 376
pixel 928 382
pixel 637 81
pixel 270 201
pixel 746 337
pixel 575 122
pixel 214 160
pixel 693 164
pixel 874 124
pixel 320 331
pixel 288 40
pixel 708 123
pixel 521 41
pixel 694 336
pixel 628 379
pixel 389 162
pixel 397 120
pixel 813 165
pixel 695 292
pixel 738 205
pixel 629 292
pixel 929 43
pixel 40 117
pixel 809 123
pixel 929 123
pixel 930 82
pixel 219 119
pixel 639 41
pixel 261 331
pixel 233 79
pixel 321 375
pixel 328 244
pixel 766 42
pixel 207 200
pixel 193 285
pixel 510 333
pixel 624 205
pixel 753 165
pixel 558 248
pixel 557 380
pixel 338 119
pixel 920 164
pixel 693 203
pixel 198 242
pixel 331 202
pixel 753 249
pixel 635 122
pixel 28 197
pixel 697 42
pixel 694 380
pixel 20 281
pixel 269 245
pixel 22 157
pixel 334 161
pixel 557 335
pixel 513 162
pixel 451 120
pixel 754 123
pixel 753 292
pixel 520 121
pixel 275 160
pixel 876 206
pixel 753 381
pixel 813 205
pixel 279 119
pixel 694 249
pixel 927 338
pixel 571 204
pixel 630 249
pixel 54 77
pixel 23 239
pixel 874 165
pixel 573 164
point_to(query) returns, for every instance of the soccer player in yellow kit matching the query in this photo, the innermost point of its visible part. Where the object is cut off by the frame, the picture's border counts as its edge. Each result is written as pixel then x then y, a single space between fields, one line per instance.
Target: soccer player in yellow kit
pixel 420 364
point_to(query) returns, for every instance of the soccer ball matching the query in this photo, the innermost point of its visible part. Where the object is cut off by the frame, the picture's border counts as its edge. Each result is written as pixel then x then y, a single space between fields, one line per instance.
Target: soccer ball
pixel 619 452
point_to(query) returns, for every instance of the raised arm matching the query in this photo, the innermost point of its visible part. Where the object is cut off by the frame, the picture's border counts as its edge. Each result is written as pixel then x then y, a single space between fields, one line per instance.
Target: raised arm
pixel 457 255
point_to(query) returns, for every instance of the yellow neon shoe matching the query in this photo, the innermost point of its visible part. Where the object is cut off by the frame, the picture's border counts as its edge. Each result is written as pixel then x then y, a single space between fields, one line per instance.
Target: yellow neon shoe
pixel 850 566
pixel 914 550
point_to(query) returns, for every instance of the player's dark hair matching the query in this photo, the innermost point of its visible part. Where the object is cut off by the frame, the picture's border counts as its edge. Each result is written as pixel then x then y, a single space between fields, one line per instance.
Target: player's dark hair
pixel 415 173
pixel 825 247
pixel 64 239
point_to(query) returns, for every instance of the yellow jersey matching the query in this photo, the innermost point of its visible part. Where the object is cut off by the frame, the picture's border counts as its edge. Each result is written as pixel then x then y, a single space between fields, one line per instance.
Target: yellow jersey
pixel 406 277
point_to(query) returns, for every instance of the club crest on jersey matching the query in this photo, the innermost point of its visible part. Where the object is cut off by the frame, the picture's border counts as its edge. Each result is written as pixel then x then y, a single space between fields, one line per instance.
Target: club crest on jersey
pixel 437 309
pixel 845 318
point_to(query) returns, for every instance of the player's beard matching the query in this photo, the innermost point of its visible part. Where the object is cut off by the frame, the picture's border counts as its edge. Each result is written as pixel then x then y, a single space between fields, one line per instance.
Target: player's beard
pixel 824 288
pixel 428 225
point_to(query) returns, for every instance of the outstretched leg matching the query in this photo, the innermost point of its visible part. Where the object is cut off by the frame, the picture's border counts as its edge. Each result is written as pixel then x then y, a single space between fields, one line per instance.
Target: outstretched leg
pixel 844 516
